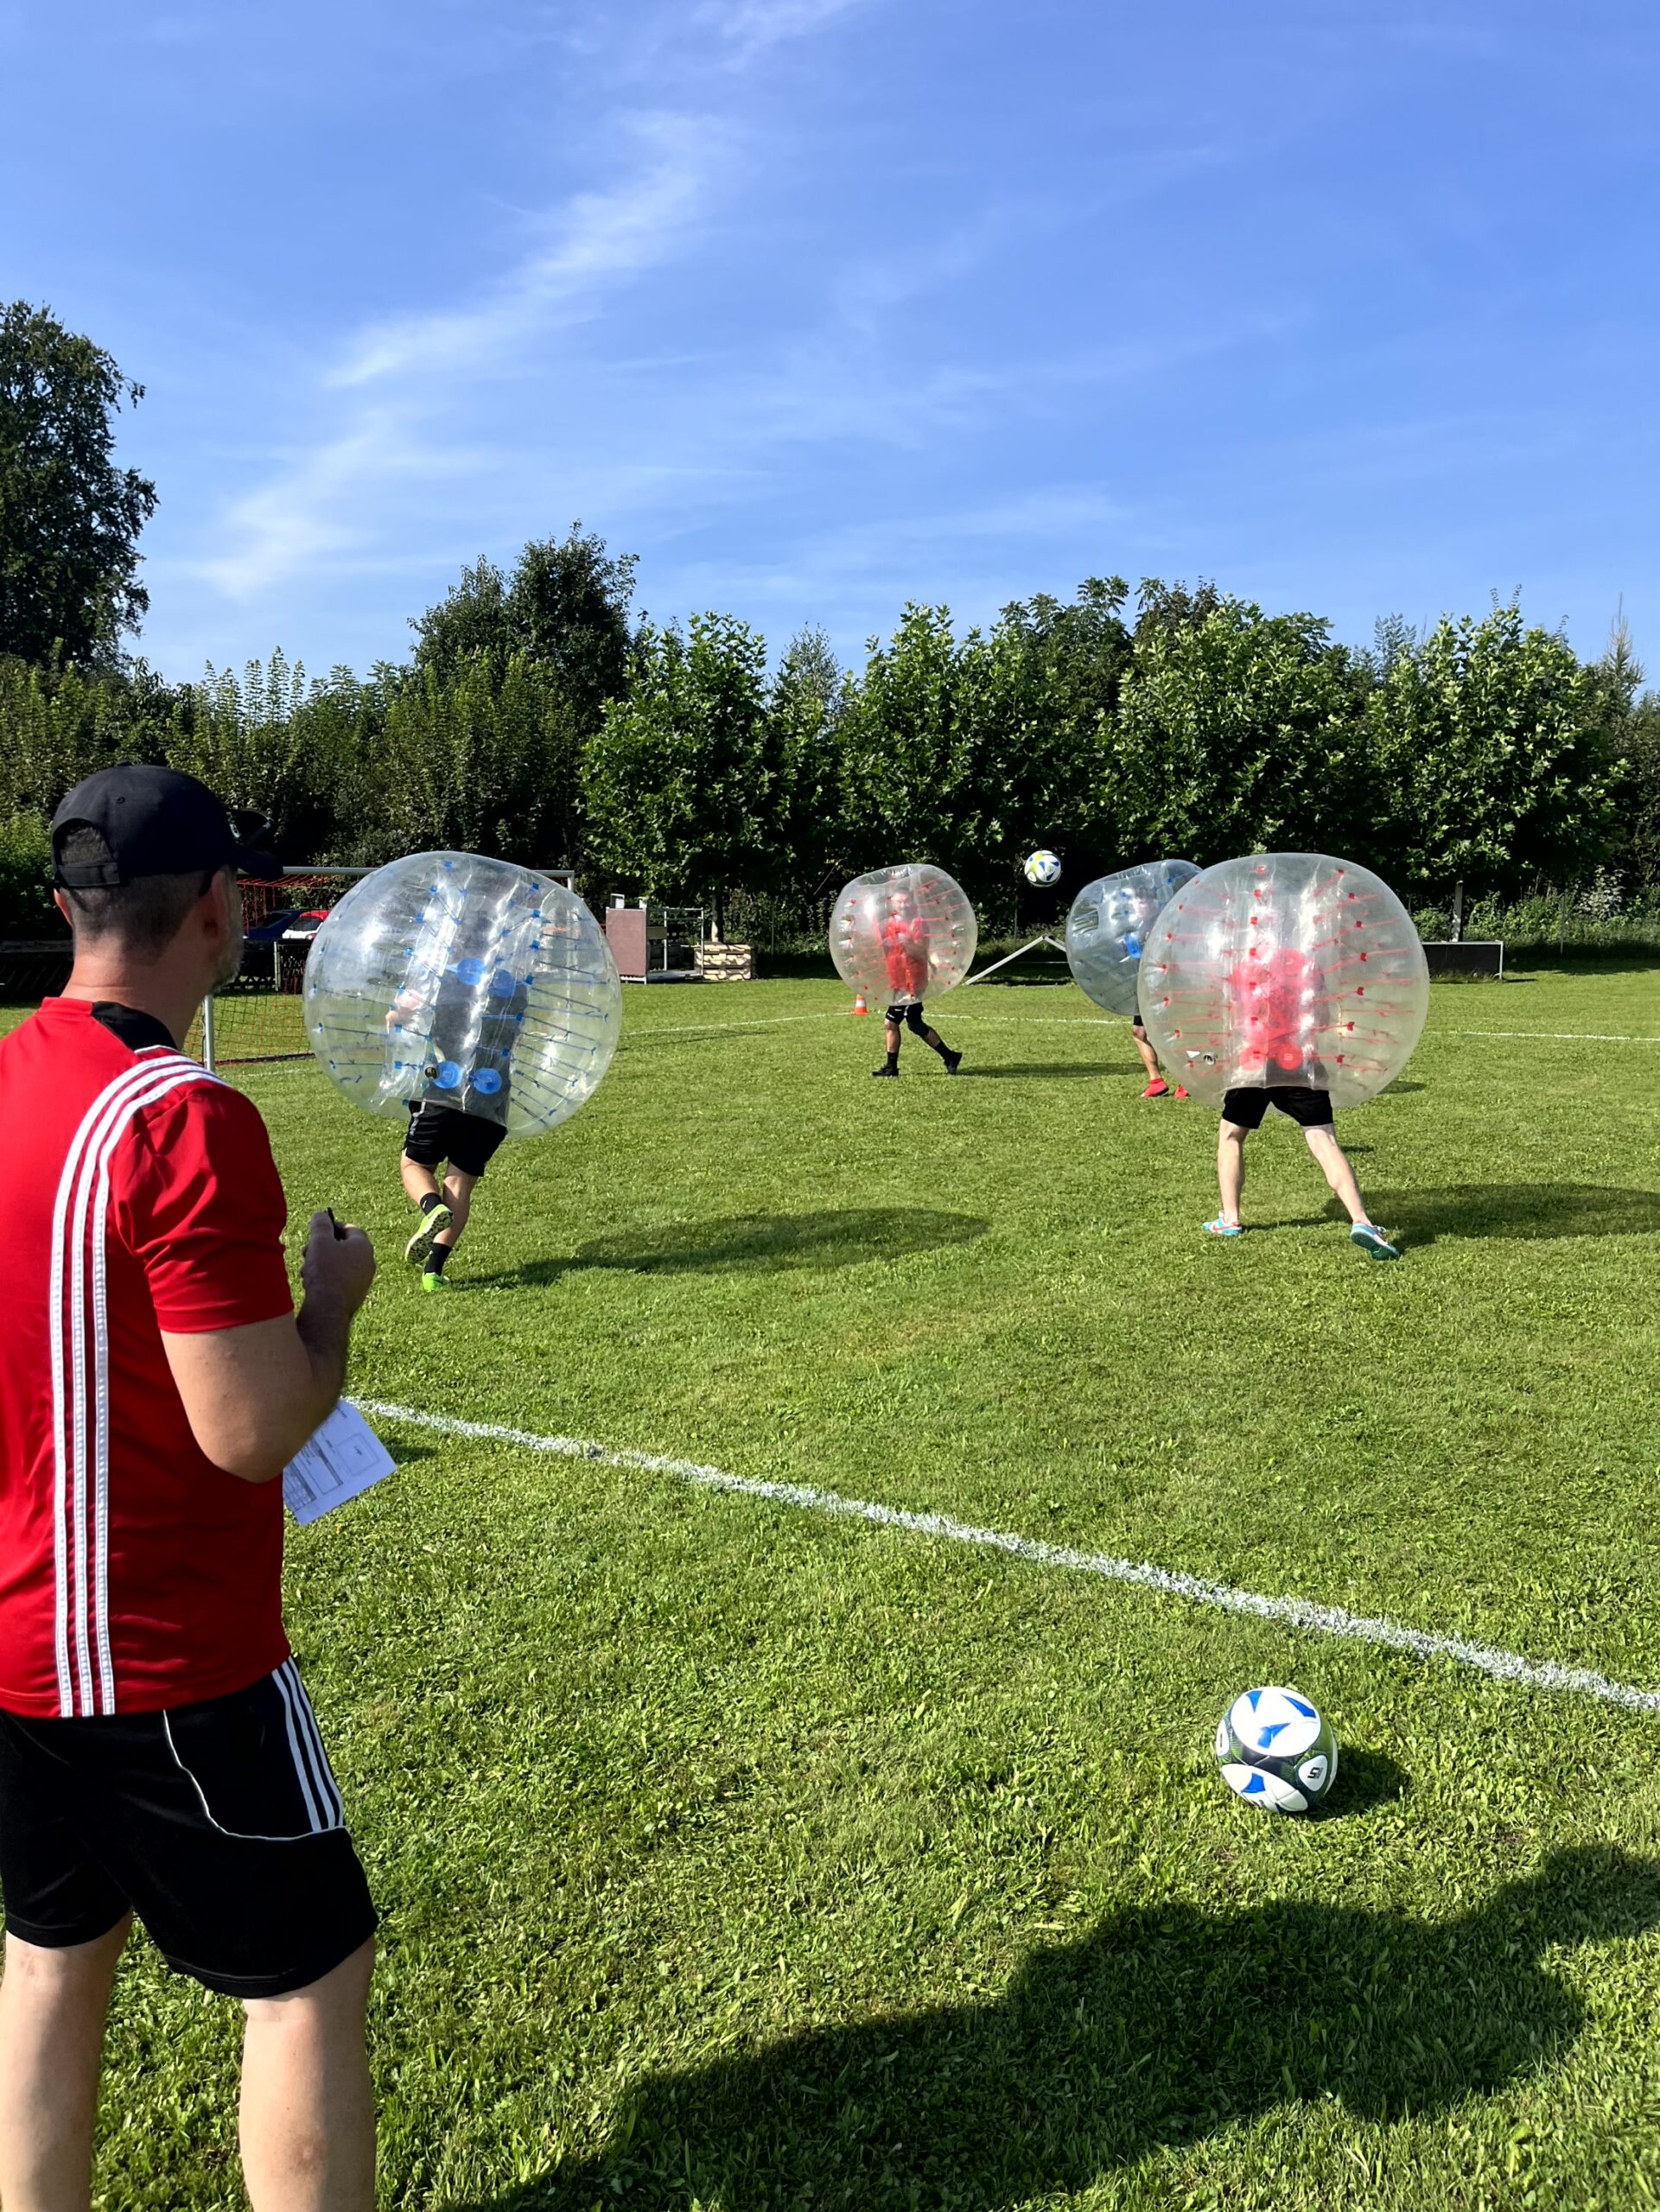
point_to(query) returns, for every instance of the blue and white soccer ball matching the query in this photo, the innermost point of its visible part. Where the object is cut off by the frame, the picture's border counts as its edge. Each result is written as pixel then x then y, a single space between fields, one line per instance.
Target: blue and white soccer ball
pixel 1276 1751
pixel 1042 868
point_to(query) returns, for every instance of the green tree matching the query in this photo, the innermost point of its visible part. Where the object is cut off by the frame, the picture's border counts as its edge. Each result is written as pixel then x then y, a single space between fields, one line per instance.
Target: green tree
pixel 804 710
pixel 682 780
pixel 565 608
pixel 482 759
pixel 1238 732
pixel 907 781
pixel 69 518
pixel 26 908
pixel 1494 753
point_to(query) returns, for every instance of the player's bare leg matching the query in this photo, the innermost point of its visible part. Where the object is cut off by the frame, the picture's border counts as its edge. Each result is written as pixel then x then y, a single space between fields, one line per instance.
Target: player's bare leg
pixel 307 2118
pixel 893 1037
pixel 421 1184
pixel 457 1207
pixel 1158 1084
pixel 1334 1166
pixel 1230 1175
pixel 52 2009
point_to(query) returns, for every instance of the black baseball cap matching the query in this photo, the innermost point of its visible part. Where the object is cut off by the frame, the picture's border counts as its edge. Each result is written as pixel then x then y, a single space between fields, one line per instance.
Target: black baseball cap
pixel 156 822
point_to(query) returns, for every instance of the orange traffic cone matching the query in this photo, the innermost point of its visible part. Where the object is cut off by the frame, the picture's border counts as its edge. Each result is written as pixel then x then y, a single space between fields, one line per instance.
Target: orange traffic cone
pixel 859 1006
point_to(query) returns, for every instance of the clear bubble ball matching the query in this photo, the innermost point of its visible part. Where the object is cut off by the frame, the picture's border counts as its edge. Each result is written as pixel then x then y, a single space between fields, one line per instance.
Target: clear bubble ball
pixel 467 982
pixel 903 935
pixel 1287 968
pixel 1108 928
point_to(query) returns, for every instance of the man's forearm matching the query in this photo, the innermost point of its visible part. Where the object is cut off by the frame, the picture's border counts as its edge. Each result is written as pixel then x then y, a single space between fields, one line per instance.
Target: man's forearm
pixel 324 1326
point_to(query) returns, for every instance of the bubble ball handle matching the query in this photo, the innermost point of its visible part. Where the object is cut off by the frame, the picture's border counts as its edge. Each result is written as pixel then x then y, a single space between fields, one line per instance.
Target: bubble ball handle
pixel 1108 925
pixel 464 981
pixel 1290 969
pixel 903 935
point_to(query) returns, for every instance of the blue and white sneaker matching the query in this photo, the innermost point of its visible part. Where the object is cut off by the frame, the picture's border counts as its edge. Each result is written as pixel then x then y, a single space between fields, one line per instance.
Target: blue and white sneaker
pixel 1371 1240
pixel 1223 1227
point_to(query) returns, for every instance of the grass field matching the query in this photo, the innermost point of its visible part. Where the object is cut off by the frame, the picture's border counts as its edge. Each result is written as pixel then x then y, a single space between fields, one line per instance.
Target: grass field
pixel 735 1854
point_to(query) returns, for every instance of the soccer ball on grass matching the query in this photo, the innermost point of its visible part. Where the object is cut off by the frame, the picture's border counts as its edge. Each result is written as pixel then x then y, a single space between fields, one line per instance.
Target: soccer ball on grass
pixel 1275 1750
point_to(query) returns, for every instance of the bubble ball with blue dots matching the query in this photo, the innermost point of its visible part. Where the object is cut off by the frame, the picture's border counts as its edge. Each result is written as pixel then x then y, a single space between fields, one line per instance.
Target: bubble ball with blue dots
pixel 467 982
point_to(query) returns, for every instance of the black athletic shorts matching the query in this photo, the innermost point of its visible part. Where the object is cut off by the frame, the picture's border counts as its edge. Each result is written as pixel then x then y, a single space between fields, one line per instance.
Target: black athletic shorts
pixel 220 1825
pixel 444 1133
pixel 910 1013
pixel 1310 1109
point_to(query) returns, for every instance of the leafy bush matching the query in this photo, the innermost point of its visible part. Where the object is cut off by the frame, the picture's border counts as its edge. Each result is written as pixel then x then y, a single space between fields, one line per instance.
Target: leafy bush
pixel 26 908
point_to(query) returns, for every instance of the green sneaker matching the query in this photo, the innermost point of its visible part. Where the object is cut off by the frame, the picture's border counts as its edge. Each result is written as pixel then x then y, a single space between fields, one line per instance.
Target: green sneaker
pixel 1373 1241
pixel 433 1222
pixel 436 1282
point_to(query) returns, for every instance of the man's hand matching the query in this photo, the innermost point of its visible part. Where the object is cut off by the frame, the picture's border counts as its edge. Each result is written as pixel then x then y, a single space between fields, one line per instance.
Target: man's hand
pixel 338 1264
pixel 253 1395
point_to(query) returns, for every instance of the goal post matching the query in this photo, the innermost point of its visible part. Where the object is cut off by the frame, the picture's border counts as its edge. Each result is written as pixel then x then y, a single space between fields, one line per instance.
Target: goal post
pixel 259 1016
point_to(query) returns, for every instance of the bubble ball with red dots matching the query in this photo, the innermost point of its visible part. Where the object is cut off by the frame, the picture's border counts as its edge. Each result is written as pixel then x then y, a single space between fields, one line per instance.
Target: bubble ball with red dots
pixel 1288 969
pixel 902 935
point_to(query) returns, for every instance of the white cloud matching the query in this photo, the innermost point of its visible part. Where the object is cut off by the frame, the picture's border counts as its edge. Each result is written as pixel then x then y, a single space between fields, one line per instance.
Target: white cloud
pixel 751 25
pixel 404 377
pixel 595 238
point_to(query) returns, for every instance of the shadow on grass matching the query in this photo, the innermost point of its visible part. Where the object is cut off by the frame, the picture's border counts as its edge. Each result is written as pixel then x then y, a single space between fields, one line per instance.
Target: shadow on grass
pixel 763 1244
pixel 1047 1068
pixel 1520 1211
pixel 1365 1780
pixel 1161 2026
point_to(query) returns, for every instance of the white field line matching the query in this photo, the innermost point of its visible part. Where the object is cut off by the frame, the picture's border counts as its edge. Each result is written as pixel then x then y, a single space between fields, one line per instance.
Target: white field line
pixel 719 1028
pixel 1293 1612
pixel 1551 1036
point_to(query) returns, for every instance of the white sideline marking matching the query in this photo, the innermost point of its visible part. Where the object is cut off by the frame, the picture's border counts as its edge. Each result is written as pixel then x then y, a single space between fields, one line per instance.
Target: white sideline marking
pixel 1294 1613
pixel 1552 1036
pixel 718 1028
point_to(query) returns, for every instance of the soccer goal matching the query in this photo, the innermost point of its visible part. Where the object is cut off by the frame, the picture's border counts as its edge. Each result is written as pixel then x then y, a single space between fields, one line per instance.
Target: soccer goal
pixel 260 1016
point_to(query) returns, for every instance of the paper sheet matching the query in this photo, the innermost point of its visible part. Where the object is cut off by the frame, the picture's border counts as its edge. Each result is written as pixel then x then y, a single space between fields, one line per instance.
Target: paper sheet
pixel 339 1460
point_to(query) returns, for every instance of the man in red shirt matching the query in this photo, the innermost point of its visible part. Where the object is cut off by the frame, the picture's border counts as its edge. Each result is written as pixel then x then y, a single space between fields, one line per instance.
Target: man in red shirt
pixel 905 945
pixel 158 1756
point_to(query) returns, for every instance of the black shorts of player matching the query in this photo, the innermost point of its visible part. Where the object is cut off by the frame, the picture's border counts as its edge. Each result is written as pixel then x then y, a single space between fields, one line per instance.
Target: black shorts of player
pixel 438 1134
pixel 1310 1109
pixel 219 1824
pixel 910 1015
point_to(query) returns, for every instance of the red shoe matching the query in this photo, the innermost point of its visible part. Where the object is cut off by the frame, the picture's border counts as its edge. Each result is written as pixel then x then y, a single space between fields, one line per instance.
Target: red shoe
pixel 1157 1089
pixel 1179 1093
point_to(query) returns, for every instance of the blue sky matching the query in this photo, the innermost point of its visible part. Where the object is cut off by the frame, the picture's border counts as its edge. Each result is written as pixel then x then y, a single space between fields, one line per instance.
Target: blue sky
pixel 820 305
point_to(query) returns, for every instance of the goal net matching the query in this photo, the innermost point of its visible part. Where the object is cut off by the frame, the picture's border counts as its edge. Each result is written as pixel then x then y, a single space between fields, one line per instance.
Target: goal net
pixel 258 1017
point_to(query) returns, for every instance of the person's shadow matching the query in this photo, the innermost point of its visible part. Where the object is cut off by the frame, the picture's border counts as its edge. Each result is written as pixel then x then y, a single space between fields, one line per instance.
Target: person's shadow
pixel 760 1244
pixel 1159 2027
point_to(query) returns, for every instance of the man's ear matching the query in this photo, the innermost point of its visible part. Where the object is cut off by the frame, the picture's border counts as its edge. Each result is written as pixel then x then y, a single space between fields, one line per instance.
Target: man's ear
pixel 222 892
pixel 63 907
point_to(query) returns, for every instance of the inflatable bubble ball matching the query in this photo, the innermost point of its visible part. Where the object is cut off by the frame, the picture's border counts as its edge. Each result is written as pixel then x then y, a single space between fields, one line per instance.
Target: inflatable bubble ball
pixel 467 982
pixel 902 935
pixel 1109 924
pixel 1288 969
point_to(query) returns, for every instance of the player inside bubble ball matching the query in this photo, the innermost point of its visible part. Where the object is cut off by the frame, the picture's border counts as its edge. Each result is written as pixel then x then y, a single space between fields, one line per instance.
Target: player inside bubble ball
pixel 905 954
pixel 1274 1004
pixel 457 1126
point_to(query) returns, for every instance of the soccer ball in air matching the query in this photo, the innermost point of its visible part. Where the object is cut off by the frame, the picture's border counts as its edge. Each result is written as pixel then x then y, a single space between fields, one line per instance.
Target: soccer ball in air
pixel 1042 868
pixel 1276 1751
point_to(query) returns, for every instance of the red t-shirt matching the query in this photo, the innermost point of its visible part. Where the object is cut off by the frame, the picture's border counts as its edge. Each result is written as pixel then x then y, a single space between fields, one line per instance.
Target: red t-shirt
pixel 141 1196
